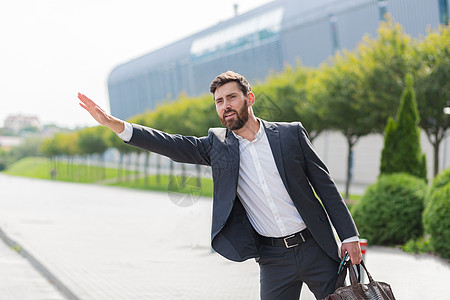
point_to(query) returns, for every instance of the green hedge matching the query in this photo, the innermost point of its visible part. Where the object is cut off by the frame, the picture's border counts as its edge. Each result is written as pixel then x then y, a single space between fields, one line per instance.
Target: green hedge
pixel 436 220
pixel 390 211
pixel 439 181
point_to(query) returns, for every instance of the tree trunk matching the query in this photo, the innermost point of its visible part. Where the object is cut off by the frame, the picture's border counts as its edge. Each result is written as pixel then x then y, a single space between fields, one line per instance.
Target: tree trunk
pixel 351 141
pixel 171 171
pixel 136 168
pixel 120 170
pixel 127 168
pixel 146 168
pixel 435 139
pixel 158 170
pixel 199 176
pixel 183 175
pixel 436 159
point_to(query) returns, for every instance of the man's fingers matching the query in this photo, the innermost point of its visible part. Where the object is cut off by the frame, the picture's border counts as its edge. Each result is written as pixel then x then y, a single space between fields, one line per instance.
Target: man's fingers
pixel 86 101
pixel 342 252
pixel 82 105
pixel 354 250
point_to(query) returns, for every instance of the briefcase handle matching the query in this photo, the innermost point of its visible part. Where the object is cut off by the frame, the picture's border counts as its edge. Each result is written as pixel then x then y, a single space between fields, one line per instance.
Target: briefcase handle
pixel 355 277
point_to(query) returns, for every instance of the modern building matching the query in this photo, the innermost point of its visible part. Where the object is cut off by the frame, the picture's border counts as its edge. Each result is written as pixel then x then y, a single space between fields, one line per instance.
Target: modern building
pixel 265 39
pixel 258 41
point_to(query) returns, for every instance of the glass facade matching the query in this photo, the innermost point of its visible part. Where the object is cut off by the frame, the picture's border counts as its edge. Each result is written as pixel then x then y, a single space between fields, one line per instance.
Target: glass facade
pixel 382 7
pixel 249 32
pixel 443 11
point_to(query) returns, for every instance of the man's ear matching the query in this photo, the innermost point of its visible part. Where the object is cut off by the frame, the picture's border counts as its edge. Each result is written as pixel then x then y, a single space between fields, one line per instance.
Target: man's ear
pixel 251 98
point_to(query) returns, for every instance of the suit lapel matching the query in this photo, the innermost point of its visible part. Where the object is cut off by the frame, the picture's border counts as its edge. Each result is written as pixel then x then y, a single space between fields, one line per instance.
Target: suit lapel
pixel 273 135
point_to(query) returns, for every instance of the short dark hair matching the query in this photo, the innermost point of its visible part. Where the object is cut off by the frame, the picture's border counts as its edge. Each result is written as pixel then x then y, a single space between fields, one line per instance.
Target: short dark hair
pixel 230 76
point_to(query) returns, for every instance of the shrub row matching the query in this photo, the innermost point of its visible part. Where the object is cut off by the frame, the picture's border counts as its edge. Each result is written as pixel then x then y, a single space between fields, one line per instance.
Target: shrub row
pixel 400 207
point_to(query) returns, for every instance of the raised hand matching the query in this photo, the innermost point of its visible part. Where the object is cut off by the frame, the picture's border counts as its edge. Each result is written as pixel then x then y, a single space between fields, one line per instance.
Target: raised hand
pixel 100 115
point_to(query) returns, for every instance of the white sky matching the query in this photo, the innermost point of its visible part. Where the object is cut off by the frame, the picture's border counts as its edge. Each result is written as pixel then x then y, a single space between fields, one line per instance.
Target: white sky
pixel 52 49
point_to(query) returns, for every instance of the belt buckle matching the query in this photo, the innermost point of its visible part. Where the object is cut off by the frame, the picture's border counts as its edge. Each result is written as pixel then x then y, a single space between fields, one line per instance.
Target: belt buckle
pixel 286 242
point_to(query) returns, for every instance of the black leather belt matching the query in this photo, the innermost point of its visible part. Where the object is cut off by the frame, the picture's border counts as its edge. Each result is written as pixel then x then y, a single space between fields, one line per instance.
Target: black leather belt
pixel 287 241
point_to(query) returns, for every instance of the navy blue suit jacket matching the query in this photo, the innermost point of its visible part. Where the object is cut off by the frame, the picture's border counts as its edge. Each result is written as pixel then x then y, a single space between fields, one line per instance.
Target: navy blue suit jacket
pixel 301 171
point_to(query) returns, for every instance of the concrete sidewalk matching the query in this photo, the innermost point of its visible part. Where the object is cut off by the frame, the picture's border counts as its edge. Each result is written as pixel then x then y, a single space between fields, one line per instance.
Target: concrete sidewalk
pixel 19 280
pixel 112 243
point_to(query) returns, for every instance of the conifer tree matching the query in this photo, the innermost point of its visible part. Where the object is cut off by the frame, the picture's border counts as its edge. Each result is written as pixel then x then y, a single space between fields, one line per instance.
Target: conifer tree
pixel 402 151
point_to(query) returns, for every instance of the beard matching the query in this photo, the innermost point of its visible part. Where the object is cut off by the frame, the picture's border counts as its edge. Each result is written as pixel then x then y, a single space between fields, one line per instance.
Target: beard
pixel 239 120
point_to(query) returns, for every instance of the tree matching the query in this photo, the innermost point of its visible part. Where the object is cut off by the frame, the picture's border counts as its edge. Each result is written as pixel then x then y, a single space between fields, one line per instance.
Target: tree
pixel 384 61
pixel 402 151
pixel 114 141
pixel 433 87
pixel 91 140
pixel 286 97
pixel 142 120
pixel 341 102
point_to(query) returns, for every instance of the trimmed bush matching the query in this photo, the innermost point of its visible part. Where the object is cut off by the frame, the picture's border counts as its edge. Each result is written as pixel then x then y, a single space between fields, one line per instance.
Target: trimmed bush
pixel 438 182
pixel 436 220
pixel 402 151
pixel 390 211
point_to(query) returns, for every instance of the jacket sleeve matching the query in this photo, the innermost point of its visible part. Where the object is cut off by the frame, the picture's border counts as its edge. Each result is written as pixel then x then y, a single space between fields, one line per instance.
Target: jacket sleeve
pixel 179 148
pixel 326 189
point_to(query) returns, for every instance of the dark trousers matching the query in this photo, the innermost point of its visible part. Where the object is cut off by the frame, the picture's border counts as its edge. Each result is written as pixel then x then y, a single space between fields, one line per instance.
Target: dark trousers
pixel 284 270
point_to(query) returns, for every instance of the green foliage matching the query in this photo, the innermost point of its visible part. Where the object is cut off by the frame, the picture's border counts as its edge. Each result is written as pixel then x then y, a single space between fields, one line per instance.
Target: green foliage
pixel 342 104
pixel 384 61
pixel 402 151
pixel 39 167
pixel 163 184
pixel 3 159
pixel 440 180
pixel 286 96
pixel 419 245
pixel 433 85
pixel 390 211
pixel 436 220
pixel 91 140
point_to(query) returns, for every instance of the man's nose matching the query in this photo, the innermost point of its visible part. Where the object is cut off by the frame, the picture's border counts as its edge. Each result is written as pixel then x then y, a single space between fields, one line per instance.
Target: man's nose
pixel 227 104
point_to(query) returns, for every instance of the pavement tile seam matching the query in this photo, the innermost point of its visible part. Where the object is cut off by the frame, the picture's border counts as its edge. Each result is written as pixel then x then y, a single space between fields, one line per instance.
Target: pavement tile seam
pixel 38 266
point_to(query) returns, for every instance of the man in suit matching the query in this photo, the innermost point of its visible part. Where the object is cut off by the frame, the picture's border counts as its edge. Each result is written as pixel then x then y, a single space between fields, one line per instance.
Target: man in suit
pixel 266 177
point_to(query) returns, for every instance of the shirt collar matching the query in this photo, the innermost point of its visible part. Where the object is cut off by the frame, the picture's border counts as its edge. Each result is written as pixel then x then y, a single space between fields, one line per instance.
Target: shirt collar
pixel 258 135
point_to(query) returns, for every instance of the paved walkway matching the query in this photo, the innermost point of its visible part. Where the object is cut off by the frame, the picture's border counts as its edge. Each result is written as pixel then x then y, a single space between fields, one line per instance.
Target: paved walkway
pixel 19 280
pixel 113 243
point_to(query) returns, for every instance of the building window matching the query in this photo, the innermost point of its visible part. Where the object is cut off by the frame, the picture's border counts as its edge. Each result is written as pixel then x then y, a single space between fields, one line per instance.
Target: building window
pixel 443 11
pixel 239 35
pixel 382 8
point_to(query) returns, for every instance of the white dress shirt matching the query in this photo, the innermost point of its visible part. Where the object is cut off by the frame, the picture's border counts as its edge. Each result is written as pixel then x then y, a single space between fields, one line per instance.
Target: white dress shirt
pixel 261 190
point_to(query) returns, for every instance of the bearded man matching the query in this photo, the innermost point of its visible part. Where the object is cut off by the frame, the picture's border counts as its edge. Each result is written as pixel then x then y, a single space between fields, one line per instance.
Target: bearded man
pixel 266 177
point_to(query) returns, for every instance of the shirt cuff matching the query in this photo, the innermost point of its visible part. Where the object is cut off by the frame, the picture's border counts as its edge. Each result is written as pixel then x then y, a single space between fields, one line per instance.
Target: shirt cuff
pixel 127 133
pixel 351 239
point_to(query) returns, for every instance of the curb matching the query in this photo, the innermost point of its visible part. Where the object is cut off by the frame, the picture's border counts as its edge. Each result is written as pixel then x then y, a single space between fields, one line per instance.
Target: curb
pixel 61 287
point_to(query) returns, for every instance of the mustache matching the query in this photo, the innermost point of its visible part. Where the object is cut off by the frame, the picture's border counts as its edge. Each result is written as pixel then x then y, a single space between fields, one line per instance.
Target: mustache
pixel 228 111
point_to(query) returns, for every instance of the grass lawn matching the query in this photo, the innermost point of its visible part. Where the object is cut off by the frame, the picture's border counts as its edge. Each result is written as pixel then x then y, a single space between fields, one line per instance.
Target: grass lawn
pixel 39 167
